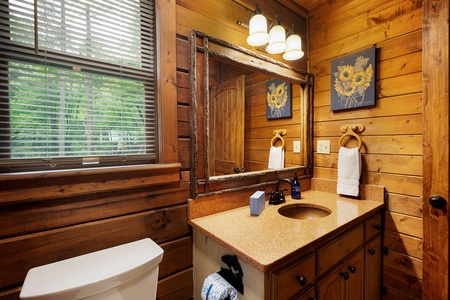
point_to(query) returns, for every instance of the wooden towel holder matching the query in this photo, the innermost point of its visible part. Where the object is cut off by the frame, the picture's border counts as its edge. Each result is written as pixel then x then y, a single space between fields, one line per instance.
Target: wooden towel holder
pixel 351 130
pixel 278 135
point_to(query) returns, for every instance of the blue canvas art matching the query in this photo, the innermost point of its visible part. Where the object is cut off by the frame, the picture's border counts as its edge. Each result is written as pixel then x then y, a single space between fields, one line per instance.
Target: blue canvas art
pixel 353 80
pixel 279 99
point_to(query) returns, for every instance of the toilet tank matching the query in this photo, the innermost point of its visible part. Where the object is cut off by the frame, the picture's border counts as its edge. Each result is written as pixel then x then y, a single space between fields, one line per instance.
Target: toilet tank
pixel 126 272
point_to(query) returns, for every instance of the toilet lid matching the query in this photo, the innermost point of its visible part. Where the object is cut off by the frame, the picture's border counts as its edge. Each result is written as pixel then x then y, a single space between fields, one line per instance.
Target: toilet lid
pixel 91 273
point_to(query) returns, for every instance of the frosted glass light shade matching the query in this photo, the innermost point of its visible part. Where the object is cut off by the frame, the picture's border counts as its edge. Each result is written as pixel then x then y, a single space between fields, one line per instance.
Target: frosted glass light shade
pixel 258 35
pixel 277 42
pixel 294 48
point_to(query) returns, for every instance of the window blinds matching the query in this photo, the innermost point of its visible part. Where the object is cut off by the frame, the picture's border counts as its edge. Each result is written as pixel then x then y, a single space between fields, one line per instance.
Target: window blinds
pixel 77 83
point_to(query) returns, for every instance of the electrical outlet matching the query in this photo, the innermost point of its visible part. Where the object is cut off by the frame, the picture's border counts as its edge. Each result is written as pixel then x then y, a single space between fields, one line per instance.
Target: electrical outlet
pixel 323 147
pixel 296 146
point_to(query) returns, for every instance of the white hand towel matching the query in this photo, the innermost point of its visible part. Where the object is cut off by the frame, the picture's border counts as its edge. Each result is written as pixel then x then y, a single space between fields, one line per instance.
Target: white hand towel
pixel 349 171
pixel 276 158
pixel 216 287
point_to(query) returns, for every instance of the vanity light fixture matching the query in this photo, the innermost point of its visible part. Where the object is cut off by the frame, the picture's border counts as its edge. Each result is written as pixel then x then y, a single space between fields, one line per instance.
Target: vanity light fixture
pixel 275 41
pixel 258 35
pixel 294 46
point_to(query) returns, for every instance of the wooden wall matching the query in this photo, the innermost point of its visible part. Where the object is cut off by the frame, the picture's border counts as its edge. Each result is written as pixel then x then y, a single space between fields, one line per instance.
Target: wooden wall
pixel 47 217
pixel 392 151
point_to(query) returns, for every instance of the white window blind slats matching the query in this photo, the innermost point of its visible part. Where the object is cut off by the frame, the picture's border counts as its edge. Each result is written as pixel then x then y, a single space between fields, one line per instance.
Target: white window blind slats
pixel 90 89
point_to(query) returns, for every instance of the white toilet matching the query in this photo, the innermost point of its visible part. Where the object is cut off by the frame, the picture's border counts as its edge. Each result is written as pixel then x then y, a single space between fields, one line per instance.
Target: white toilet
pixel 125 272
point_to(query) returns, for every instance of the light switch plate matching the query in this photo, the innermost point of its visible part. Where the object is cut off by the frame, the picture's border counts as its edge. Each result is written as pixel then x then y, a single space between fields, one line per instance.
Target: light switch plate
pixel 323 147
pixel 296 146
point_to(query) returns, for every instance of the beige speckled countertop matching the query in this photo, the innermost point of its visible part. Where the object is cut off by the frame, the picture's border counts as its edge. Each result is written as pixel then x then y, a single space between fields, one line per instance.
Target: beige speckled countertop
pixel 267 240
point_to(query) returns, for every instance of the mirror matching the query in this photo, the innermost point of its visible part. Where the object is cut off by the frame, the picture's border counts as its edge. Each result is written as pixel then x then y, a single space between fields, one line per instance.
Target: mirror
pixel 244 103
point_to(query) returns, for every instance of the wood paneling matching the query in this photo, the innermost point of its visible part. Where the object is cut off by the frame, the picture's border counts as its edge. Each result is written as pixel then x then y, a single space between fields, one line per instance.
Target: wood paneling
pixel 392 140
pixel 52 216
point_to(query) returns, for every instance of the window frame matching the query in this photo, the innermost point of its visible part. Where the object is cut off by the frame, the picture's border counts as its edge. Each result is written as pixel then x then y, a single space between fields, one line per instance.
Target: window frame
pixel 166 93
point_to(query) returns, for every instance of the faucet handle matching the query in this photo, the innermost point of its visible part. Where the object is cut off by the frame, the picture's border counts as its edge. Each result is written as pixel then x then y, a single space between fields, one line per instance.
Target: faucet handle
pixel 281 196
pixel 272 199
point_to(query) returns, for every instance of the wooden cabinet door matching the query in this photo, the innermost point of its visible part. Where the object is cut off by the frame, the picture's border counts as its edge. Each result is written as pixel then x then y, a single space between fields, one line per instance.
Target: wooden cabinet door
pixel 332 287
pixel 346 282
pixel 354 286
pixel 227 104
pixel 373 270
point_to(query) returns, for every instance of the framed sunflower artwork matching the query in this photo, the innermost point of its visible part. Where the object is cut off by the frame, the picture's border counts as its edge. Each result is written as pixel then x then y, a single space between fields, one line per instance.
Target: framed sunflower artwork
pixel 353 80
pixel 279 99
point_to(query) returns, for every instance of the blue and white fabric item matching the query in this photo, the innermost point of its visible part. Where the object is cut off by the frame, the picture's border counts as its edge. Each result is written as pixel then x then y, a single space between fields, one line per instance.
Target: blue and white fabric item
pixel 349 171
pixel 216 287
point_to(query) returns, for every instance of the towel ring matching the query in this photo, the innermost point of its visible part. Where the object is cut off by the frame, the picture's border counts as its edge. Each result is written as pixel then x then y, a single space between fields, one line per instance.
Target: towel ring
pixel 278 135
pixel 350 130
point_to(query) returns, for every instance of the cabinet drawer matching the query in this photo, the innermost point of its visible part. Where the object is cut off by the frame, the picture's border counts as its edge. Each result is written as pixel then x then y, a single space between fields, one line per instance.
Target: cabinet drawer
pixel 372 226
pixel 339 248
pixel 286 283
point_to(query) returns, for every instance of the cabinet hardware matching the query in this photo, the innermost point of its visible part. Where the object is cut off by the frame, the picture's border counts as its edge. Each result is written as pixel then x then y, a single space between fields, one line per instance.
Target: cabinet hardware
pixel 345 275
pixel 371 251
pixel 302 280
pixel 377 227
pixel 352 269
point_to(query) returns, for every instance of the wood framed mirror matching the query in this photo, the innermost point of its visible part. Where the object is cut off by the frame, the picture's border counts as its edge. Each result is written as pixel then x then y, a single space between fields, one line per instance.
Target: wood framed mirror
pixel 231 130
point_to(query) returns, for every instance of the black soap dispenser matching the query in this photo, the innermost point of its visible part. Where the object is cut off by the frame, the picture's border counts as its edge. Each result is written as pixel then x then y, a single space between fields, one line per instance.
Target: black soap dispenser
pixel 296 190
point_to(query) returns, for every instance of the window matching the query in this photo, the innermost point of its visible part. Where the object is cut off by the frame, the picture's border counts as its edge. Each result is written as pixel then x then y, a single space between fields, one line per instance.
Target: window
pixel 77 84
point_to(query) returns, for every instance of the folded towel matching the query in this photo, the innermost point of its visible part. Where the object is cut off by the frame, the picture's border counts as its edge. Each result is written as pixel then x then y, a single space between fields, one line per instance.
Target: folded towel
pixel 349 171
pixel 276 158
pixel 216 287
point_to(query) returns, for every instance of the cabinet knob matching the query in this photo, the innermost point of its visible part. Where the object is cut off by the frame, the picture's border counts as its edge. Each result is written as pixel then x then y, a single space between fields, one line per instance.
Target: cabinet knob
pixel 377 227
pixel 302 280
pixel 352 269
pixel 345 275
pixel 371 251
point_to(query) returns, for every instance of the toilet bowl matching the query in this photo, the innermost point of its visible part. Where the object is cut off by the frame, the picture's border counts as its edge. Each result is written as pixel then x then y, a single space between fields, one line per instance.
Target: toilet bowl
pixel 125 272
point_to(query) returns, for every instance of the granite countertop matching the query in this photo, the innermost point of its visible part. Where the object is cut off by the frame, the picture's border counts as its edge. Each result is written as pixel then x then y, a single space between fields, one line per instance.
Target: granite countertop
pixel 267 240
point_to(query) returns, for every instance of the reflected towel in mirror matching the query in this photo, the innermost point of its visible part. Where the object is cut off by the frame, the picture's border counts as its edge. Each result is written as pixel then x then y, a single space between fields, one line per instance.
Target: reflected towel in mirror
pixel 276 158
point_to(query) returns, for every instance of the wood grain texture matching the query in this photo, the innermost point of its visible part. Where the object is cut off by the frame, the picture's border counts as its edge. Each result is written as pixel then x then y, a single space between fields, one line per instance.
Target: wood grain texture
pixel 392 141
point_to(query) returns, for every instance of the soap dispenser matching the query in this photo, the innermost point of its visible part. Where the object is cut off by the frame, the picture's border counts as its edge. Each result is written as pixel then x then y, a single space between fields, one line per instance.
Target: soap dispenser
pixel 296 190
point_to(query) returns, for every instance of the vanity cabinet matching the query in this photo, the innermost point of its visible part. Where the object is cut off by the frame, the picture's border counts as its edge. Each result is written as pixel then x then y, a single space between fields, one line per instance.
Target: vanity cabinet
pixel 294 278
pixel 373 269
pixel 344 266
pixel 344 282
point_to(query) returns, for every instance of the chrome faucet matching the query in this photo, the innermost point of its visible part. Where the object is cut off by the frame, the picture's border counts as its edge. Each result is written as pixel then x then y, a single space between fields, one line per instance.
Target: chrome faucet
pixel 278 197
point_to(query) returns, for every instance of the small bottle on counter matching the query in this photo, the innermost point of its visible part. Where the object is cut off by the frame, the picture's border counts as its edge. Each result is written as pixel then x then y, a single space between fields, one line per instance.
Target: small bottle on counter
pixel 296 190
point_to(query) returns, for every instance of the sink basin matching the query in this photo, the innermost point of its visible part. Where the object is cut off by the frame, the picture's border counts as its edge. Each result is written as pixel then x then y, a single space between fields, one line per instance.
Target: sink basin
pixel 304 211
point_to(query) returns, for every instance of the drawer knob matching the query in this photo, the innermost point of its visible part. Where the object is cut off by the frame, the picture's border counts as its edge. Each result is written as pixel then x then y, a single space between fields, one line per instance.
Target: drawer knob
pixel 377 227
pixel 302 280
pixel 352 269
pixel 371 251
pixel 345 275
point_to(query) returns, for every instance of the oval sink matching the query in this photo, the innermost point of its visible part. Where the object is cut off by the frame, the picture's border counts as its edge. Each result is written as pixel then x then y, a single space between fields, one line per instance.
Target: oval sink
pixel 304 211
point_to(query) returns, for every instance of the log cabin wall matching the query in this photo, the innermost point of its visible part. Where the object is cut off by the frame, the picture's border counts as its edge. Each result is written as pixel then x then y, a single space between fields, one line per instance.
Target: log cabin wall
pixel 47 217
pixel 392 151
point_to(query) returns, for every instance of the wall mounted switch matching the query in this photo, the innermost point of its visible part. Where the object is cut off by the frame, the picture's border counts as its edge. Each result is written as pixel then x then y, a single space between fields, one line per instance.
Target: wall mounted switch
pixel 323 147
pixel 296 146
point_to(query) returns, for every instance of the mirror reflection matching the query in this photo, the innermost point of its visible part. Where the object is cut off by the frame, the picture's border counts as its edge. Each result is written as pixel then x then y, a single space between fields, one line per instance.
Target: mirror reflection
pixel 244 105
pixel 252 112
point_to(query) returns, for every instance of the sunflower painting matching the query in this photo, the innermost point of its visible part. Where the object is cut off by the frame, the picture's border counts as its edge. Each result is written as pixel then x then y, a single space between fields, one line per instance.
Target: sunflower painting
pixel 353 80
pixel 278 100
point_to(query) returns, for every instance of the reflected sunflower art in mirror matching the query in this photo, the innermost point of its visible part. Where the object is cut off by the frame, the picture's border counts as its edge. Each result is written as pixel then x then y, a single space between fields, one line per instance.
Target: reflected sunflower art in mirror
pixel 279 99
pixel 353 80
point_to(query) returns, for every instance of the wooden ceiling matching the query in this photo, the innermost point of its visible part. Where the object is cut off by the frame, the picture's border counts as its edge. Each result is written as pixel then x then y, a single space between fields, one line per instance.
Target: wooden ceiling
pixel 307 4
